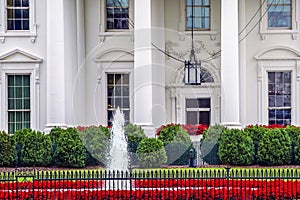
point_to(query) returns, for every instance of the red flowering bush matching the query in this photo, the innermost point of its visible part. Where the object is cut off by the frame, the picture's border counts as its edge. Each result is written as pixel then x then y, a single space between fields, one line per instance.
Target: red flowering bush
pixel 190 128
pixel 155 189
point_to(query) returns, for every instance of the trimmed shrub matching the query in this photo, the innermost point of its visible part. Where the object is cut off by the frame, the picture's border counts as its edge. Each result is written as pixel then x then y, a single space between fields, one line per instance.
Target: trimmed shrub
pixel 169 132
pixel 256 132
pixel 34 148
pixel 210 144
pixel 96 141
pixel 275 148
pixel 135 134
pixel 70 150
pixel 293 131
pixel 236 148
pixel 151 153
pixel 177 144
pixel 8 153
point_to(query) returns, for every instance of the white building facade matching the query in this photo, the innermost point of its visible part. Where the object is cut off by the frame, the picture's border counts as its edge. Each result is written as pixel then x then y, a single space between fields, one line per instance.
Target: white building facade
pixel 73 62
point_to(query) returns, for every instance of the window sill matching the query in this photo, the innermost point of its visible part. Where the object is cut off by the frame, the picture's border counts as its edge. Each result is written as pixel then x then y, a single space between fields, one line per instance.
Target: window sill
pixel 293 33
pixel 212 34
pixel 121 33
pixel 30 34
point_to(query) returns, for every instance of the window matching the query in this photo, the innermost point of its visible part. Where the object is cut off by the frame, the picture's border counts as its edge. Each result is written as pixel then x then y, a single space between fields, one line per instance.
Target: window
pixel 18 102
pixel 117 95
pixel 279 89
pixel 117 14
pixel 201 14
pixel 17 14
pixel 198 111
pixel 17 19
pixel 279 14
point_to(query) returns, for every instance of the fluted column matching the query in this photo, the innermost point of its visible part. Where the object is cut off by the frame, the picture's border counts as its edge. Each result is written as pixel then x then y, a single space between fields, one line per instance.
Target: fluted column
pixel 230 102
pixel 55 64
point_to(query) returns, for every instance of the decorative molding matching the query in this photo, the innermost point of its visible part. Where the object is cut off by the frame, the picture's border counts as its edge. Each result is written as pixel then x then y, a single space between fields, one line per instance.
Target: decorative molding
pixel 175 49
pixel 24 57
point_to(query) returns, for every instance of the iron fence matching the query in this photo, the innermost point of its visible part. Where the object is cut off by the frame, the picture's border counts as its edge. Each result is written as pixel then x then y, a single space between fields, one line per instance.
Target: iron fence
pixel 167 184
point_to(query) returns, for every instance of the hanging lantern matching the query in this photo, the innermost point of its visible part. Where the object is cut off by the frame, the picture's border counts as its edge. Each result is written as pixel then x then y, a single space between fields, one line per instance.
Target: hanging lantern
pixel 192 67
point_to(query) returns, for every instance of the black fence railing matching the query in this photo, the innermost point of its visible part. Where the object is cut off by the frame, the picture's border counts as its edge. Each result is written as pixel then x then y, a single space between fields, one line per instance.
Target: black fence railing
pixel 165 184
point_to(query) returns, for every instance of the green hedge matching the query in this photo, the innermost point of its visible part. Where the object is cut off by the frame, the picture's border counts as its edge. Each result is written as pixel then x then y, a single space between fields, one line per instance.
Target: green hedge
pixel 96 141
pixel 151 153
pixel 275 148
pixel 177 144
pixel 256 132
pixel 34 148
pixel 135 134
pixel 8 153
pixel 236 148
pixel 70 150
pixel 210 144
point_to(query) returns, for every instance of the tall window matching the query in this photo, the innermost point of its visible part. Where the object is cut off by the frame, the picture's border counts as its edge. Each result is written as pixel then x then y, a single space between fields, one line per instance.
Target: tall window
pixel 18 102
pixel 117 95
pixel 17 14
pixel 279 13
pixel 201 14
pixel 198 111
pixel 117 14
pixel 279 84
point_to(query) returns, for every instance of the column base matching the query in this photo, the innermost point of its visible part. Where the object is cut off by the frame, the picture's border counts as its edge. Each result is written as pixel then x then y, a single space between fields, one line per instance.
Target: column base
pixel 233 125
pixel 48 127
pixel 149 129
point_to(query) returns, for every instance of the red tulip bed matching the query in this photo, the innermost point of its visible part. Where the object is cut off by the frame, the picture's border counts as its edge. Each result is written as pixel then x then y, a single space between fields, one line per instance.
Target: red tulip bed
pixel 168 189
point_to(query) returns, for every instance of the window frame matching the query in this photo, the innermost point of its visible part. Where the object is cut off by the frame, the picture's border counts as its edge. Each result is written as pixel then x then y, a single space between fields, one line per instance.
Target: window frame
pixel 265 30
pixel 22 109
pixel 4 32
pixel 291 19
pixel 121 97
pixel 106 21
pixel 186 17
pixel 18 62
pixel 198 109
pixel 279 107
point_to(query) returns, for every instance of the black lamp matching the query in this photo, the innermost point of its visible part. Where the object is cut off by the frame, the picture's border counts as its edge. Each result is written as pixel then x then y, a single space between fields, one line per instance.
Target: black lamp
pixel 192 67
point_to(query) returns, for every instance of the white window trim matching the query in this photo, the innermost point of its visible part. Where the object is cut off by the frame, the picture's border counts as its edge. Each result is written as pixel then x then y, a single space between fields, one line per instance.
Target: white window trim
pixel 31 33
pixel 267 64
pixel 28 66
pixel 103 32
pixel 193 93
pixel 265 31
pixel 100 99
pixel 182 23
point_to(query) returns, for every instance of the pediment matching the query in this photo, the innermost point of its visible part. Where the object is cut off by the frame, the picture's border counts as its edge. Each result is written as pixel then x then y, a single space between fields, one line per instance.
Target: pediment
pixel 115 55
pixel 278 53
pixel 19 56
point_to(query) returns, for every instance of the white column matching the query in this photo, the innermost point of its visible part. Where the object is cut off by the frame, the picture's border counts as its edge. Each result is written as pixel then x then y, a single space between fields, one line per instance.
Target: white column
pixel 243 62
pixel 230 104
pixel 55 65
pixel 149 77
pixel 142 63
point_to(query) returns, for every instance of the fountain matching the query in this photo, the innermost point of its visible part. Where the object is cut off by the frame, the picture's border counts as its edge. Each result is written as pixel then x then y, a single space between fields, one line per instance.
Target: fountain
pixel 118 164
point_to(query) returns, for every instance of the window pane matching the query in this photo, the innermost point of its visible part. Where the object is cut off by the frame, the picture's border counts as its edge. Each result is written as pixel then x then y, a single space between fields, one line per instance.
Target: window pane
pixel 126 91
pixel 191 117
pixel 25 3
pixel 17 13
pixel 10 3
pixel 17 3
pixel 204 117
